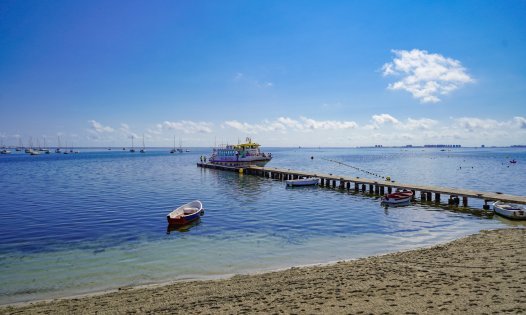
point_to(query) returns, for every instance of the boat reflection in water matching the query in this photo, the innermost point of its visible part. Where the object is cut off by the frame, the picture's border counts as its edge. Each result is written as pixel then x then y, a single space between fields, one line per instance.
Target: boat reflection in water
pixel 182 228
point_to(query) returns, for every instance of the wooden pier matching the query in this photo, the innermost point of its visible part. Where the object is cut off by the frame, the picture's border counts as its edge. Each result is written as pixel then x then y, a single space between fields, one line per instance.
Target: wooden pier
pixel 377 187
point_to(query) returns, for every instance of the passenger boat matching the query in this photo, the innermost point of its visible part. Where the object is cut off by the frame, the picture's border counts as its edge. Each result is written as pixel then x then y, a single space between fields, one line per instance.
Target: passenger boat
pixel 247 153
pixel 510 211
pixel 186 213
pixel 305 181
pixel 401 196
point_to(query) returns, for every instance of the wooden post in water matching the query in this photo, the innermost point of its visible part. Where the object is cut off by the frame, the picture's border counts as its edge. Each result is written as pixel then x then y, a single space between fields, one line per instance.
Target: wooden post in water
pixel 382 191
pixel 464 201
pixel 389 189
pixel 356 187
pixel 423 196
pixel 429 196
pixel 371 188
pixel 437 197
pixel 363 187
pixel 377 189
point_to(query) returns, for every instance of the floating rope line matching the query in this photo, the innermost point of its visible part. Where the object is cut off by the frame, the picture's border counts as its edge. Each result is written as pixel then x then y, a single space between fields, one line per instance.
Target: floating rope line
pixel 354 167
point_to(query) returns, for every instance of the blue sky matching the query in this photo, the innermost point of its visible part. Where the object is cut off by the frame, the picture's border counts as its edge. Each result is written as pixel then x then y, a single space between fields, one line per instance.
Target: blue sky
pixel 286 73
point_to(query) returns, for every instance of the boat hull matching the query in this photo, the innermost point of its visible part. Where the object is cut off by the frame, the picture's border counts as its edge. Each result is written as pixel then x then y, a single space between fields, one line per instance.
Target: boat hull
pixel 302 182
pixel 510 211
pixel 399 197
pixel 183 220
pixel 186 213
pixel 261 163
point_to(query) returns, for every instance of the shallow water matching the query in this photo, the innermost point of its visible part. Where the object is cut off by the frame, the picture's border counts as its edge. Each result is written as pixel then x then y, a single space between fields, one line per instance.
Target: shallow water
pixel 72 224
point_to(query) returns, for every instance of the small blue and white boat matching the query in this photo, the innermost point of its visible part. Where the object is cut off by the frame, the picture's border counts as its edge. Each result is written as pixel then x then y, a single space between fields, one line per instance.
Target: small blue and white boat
pixel 305 181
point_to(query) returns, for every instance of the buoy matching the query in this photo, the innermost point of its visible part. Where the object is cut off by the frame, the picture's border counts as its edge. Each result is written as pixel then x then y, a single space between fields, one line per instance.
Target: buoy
pixel 240 171
pixel 312 158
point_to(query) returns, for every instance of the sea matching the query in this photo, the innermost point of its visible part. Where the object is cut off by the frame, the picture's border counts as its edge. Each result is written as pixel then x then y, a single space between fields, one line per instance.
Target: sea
pixel 82 223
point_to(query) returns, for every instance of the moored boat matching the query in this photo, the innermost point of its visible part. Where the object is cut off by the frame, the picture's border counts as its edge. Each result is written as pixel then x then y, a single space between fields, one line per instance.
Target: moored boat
pixel 247 153
pixel 186 213
pixel 305 181
pixel 510 211
pixel 401 196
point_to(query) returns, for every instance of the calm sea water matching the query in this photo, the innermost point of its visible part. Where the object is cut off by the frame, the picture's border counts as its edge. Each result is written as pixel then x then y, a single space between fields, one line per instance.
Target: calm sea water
pixel 73 224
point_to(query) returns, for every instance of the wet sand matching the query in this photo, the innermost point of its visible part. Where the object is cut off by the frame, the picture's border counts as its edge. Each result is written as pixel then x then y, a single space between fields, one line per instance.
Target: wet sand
pixel 482 273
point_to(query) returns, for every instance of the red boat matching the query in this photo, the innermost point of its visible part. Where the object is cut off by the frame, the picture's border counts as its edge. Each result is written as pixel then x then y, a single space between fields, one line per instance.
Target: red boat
pixel 401 196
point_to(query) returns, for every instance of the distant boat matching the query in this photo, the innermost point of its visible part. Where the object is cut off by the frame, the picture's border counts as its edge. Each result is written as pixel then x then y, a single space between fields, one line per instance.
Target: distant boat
pixel 20 146
pixel 180 148
pixel 5 151
pixel 510 211
pixel 186 213
pixel 57 150
pixel 248 153
pixel 402 196
pixel 173 150
pixel 513 161
pixel 132 148
pixel 305 181
pixel 142 150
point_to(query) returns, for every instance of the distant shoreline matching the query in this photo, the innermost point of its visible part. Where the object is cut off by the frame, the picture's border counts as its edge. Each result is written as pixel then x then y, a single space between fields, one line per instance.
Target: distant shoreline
pixel 479 273
pixel 120 148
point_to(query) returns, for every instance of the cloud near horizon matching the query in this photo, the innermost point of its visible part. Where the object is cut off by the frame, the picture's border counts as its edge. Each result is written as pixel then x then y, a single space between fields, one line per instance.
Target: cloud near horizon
pixel 188 127
pixel 426 76
pixel 282 124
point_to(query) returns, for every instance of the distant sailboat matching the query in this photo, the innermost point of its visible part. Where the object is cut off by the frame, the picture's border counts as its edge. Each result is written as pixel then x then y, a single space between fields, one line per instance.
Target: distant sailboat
pixel 57 150
pixel 20 146
pixel 173 150
pixel 180 148
pixel 4 149
pixel 142 150
pixel 132 148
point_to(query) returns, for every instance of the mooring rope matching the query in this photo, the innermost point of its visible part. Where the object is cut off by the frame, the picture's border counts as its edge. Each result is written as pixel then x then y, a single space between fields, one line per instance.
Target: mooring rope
pixel 354 167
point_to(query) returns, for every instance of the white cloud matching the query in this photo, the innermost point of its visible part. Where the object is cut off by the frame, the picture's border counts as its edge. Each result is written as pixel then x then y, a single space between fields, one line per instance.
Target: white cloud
pixel 385 118
pixel 98 127
pixel 520 122
pixel 125 129
pixel 309 123
pixel 422 123
pixel 472 124
pixel 426 76
pixel 282 124
pixel 188 127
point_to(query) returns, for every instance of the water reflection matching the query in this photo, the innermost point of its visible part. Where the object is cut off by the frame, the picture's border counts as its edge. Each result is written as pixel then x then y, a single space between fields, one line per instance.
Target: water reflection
pixel 182 228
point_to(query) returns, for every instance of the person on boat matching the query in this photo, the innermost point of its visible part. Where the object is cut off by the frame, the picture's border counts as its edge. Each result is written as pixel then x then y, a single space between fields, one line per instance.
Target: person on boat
pixel 201 158
pixel 204 158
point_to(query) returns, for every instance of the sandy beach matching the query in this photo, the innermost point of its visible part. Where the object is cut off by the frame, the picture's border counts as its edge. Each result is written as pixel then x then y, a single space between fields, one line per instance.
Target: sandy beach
pixel 481 274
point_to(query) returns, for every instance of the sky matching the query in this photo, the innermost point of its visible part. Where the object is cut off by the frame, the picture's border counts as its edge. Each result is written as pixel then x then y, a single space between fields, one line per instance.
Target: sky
pixel 285 73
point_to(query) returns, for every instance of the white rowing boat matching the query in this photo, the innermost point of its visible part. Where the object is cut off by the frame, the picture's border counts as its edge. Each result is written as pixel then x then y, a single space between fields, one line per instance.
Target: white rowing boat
pixel 510 211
